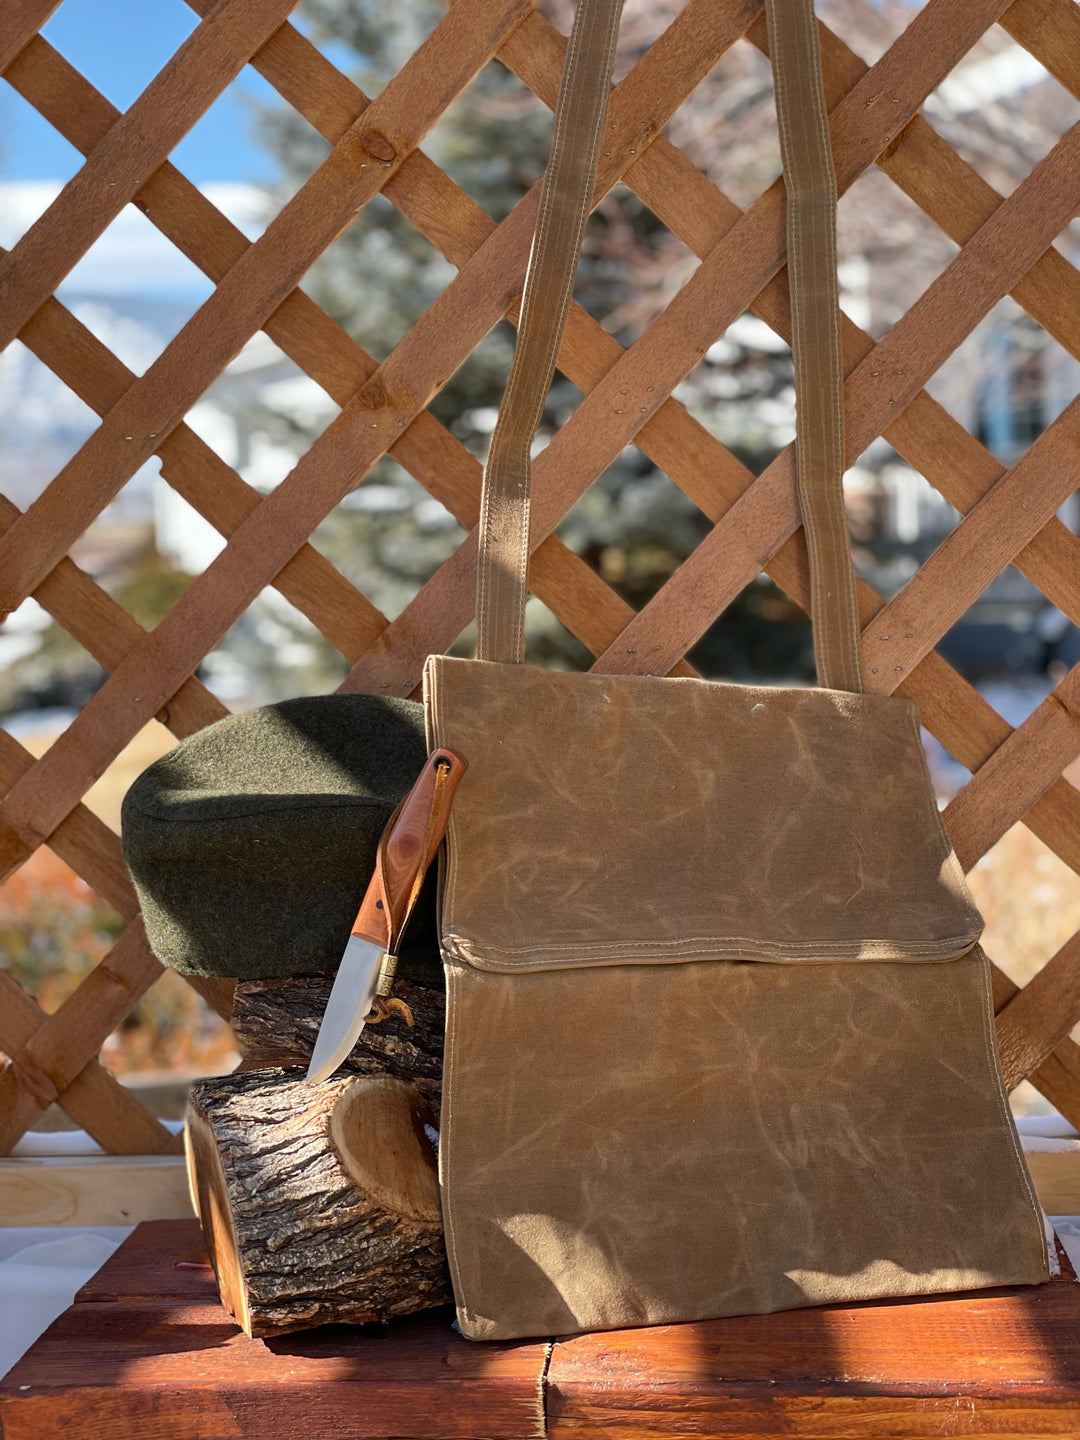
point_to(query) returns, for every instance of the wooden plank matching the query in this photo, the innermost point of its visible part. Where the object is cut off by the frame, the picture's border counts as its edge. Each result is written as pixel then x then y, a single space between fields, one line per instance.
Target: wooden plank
pixel 147 1352
pixel 92 1097
pixel 963 471
pixel 1058 1076
pixel 737 267
pixel 886 380
pixel 208 60
pixel 44 78
pixel 930 439
pixel 309 581
pixel 949 190
pixel 972 730
pixel 924 434
pixel 326 352
pixel 102 626
pixel 83 841
pixel 1056 1177
pixel 1002 250
pixel 145 1267
pixel 996 1363
pixel 155 1365
pixel 1022 769
pixel 426 448
pixel 912 95
pixel 181 212
pixel 269 537
pixel 93 1190
pixel 514 43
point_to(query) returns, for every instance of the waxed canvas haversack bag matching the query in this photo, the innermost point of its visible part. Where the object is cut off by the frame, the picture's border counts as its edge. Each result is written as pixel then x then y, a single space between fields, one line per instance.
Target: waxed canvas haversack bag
pixel 719 1031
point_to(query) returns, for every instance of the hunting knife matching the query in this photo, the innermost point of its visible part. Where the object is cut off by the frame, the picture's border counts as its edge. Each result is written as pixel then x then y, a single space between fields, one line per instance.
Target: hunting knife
pixel 407 847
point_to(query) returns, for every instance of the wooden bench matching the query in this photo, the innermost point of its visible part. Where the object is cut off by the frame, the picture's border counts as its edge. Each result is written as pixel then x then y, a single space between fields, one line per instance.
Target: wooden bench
pixel 147 1353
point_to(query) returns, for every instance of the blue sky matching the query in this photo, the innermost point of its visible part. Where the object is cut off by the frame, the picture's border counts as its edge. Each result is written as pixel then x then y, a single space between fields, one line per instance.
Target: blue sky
pixel 119 45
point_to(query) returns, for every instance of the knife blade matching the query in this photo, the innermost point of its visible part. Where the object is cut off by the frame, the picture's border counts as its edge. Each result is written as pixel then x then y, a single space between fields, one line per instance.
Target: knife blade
pixel 347 1008
pixel 408 845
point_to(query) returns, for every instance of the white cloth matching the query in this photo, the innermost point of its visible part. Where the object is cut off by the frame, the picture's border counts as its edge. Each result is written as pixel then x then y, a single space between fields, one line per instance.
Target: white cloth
pixel 40 1271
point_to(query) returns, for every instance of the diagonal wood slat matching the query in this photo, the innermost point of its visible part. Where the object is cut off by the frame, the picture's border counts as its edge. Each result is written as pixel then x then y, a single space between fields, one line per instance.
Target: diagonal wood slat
pixel 252 289
pixel 98 1104
pixel 22 20
pixel 885 381
pixel 1018 773
pixel 135 146
pixel 320 346
pixel 1008 514
pixel 1002 524
pixel 270 535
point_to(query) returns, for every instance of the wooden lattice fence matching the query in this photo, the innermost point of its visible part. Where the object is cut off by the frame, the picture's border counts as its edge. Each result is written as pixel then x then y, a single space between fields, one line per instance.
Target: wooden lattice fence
pixel 1009 515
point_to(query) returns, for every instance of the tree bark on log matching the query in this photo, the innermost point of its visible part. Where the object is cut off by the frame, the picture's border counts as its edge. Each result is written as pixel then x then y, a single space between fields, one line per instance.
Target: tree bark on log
pixel 277 1021
pixel 319 1203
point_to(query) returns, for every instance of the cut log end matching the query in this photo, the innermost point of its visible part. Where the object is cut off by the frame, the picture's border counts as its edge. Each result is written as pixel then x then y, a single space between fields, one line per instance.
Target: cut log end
pixel 210 1197
pixel 319 1203
pixel 377 1129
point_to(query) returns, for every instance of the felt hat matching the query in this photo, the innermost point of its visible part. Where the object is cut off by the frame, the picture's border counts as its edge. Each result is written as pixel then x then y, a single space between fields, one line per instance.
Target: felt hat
pixel 252 842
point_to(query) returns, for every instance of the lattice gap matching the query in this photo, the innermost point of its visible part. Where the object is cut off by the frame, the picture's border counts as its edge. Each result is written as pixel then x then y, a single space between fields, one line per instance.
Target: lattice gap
pixel 261 414
pixel 1024 929
pixel 1008 382
pixel 171 1028
pixel 378 277
pixel 889 250
pixel 26 129
pixel 271 653
pixel 727 126
pixel 388 536
pixel 42 424
pixel 119 73
pixel 879 23
pixel 632 255
pixel 495 179
pixel 1002 110
pixel 370 48
pixel 40 656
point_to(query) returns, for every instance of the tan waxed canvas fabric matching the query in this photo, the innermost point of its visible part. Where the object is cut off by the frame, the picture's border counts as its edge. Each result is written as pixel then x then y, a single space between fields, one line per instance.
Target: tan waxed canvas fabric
pixel 613 819
pixel 719 1036
pixel 719 1033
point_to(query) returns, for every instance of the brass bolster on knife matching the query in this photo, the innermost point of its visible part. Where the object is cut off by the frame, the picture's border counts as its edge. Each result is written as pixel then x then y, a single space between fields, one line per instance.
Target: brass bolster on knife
pixel 387 972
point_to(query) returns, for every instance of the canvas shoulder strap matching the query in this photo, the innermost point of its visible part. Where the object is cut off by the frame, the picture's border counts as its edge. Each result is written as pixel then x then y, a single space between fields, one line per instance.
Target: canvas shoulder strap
pixel 565 202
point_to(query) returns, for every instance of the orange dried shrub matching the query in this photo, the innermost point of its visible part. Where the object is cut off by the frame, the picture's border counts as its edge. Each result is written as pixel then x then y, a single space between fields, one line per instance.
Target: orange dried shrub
pixel 1030 900
pixel 54 929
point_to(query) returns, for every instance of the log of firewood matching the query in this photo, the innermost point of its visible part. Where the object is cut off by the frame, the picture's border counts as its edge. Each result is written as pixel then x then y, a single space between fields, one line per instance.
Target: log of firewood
pixel 277 1021
pixel 319 1203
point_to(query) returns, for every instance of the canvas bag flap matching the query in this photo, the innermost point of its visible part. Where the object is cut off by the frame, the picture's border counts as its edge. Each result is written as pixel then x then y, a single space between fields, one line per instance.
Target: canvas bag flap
pixel 625 819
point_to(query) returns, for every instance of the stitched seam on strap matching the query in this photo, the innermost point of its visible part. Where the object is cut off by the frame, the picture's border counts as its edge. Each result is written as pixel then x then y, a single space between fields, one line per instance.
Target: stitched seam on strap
pixel 549 280
pixel 810 184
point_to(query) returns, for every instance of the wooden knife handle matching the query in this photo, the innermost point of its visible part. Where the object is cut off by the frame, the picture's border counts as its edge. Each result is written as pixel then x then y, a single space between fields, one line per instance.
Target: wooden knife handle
pixel 408 846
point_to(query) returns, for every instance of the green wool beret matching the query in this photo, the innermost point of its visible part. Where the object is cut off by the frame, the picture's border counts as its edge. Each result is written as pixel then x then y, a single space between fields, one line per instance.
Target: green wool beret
pixel 252 842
